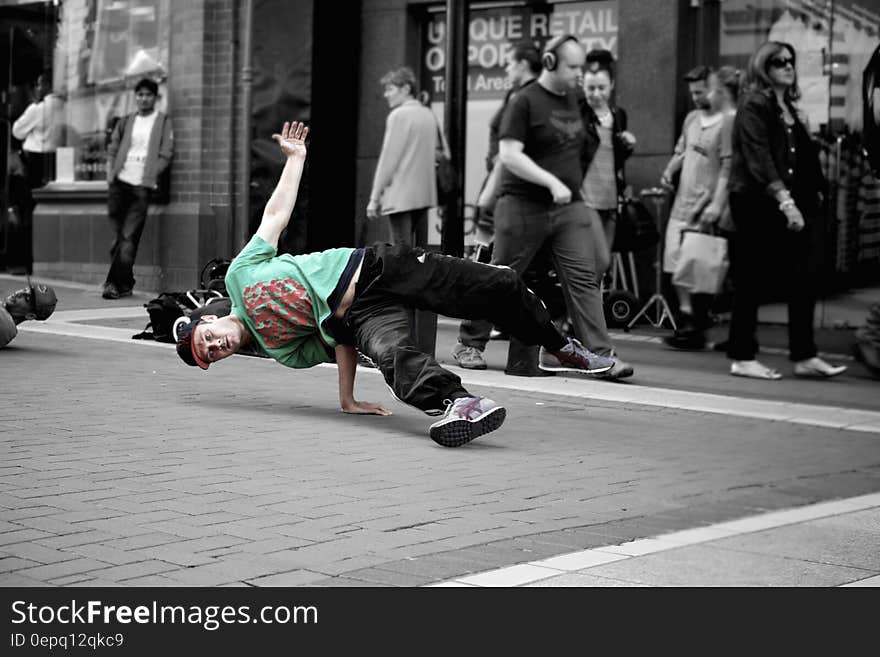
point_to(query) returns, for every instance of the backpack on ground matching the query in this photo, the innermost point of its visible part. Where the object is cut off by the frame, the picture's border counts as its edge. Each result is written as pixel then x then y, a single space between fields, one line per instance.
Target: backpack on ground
pixel 165 309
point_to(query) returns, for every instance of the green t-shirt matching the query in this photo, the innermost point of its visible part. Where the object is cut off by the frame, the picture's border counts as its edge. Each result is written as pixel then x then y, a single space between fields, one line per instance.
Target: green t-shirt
pixel 283 300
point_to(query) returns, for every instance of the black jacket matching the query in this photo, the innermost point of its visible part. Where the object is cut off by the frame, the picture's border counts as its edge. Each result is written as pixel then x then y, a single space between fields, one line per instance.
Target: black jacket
pixel 622 150
pixel 764 150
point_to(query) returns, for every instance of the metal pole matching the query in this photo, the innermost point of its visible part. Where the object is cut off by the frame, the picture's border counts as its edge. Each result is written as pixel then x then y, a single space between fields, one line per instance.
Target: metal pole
pixel 830 68
pixel 231 229
pixel 247 77
pixel 452 241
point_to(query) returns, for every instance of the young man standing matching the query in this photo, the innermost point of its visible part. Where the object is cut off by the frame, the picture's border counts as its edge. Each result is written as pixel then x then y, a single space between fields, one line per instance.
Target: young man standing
pixel 308 309
pixel 702 156
pixel 140 149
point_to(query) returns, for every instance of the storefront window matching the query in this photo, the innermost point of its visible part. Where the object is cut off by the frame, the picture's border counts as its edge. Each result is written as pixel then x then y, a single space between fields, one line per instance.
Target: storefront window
pixel 829 66
pixel 493 30
pixel 104 47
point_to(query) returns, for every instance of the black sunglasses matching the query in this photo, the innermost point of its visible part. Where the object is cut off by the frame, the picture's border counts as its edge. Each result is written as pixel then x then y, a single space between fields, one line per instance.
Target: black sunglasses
pixel 781 62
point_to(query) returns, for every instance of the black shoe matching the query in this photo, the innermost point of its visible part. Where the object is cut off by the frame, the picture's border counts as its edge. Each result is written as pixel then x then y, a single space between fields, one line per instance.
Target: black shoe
pixel 110 291
pixel 124 293
pixel 535 372
pixel 689 341
pixel 720 346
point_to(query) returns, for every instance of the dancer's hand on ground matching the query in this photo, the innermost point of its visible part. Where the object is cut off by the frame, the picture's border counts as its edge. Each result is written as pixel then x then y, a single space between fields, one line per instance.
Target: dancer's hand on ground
pixel 292 139
pixel 365 408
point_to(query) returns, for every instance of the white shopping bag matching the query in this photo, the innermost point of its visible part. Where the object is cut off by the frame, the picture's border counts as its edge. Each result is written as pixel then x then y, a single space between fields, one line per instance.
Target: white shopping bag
pixel 702 263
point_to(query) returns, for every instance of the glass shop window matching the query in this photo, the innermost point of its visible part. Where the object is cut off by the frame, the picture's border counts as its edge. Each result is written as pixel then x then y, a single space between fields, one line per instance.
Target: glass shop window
pixel 103 48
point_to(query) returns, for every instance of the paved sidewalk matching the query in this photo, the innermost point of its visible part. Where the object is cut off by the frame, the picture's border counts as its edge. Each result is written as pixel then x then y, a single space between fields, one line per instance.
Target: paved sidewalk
pixel 121 467
pixel 829 544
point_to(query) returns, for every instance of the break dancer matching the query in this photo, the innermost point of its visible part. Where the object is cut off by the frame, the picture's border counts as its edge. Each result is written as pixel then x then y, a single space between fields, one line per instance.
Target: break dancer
pixel 308 309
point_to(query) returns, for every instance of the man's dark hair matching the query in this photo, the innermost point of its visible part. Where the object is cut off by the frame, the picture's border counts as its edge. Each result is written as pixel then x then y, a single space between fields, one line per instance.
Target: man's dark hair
pixel 527 52
pixel 698 73
pixel 401 77
pixel 148 84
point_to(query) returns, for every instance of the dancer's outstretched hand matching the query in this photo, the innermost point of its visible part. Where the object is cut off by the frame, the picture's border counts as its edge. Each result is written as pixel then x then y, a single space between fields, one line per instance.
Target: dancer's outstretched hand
pixel 292 139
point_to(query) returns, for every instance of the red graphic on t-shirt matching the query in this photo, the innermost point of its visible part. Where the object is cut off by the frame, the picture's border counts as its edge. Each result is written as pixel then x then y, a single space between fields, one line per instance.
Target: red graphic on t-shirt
pixel 280 309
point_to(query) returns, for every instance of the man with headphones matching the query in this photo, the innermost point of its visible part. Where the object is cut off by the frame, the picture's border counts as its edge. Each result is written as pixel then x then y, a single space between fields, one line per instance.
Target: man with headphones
pixel 541 136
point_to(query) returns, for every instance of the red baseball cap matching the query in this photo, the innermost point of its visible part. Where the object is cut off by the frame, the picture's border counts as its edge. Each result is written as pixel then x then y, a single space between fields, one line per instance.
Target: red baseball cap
pixel 186 346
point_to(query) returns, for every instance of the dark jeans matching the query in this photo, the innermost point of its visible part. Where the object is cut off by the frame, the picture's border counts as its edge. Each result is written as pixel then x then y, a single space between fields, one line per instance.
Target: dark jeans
pixel 410 227
pixel 766 257
pixel 397 278
pixel 127 208
pixel 522 227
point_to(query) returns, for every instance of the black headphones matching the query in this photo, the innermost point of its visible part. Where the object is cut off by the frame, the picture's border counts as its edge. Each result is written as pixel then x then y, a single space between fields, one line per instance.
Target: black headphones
pixel 549 59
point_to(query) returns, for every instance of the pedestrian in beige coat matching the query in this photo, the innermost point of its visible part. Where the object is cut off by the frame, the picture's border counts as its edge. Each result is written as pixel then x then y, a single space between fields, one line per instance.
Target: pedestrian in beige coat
pixel 404 185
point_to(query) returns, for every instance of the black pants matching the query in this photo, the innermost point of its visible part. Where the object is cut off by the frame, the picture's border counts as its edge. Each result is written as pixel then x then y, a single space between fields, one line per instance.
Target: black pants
pixel 397 278
pixel 127 208
pixel 768 260
pixel 40 168
pixel 410 227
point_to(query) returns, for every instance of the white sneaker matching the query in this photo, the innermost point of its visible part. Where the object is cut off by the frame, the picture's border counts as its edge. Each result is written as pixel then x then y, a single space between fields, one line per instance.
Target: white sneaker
pixel 753 369
pixel 467 418
pixel 470 358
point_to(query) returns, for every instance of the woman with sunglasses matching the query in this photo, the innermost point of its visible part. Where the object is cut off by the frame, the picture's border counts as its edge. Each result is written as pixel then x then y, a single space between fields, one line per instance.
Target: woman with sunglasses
pixel 775 201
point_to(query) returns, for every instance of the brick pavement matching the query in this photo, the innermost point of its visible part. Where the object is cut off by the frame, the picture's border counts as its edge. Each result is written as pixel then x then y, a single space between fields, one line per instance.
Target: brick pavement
pixel 121 467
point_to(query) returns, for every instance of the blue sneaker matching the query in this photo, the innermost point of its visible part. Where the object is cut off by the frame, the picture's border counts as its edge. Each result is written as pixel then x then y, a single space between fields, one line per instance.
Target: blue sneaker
pixel 467 418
